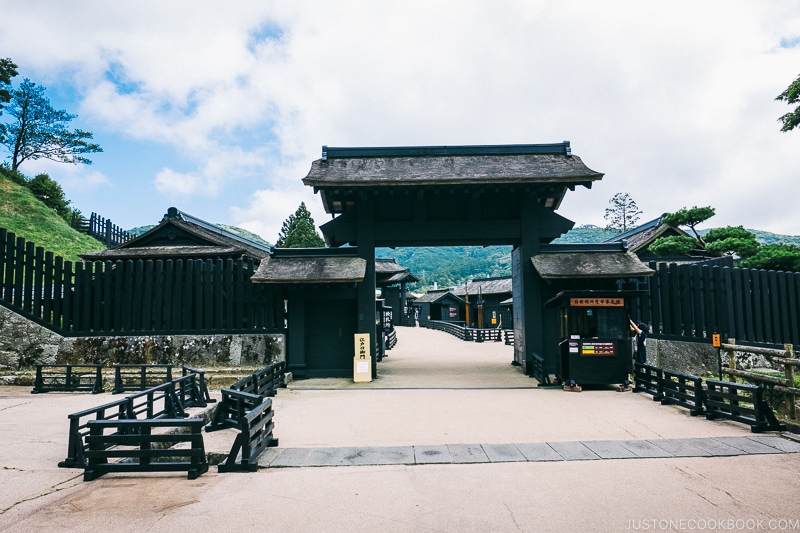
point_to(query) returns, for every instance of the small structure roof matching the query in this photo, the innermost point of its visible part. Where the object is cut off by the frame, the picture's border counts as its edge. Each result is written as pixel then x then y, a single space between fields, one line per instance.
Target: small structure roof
pixel 182 235
pixel 501 285
pixel 642 236
pixel 389 272
pixel 437 296
pixel 588 261
pixel 310 265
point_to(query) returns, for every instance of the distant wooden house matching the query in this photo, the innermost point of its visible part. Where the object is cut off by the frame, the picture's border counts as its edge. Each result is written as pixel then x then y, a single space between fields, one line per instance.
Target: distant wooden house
pixel 393 279
pixel 641 237
pixel 489 293
pixel 439 304
pixel 182 236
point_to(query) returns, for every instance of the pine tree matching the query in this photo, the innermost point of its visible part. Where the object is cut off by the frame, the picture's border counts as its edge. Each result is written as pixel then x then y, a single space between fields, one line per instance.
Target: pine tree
pixel 298 231
pixel 623 213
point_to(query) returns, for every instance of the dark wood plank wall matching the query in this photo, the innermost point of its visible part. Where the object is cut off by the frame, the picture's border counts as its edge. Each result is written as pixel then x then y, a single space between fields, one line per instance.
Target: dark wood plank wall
pixel 210 296
pixel 135 297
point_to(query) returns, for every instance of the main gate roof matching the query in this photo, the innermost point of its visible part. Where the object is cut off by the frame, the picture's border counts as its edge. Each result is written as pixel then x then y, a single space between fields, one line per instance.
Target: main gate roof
pixel 449 165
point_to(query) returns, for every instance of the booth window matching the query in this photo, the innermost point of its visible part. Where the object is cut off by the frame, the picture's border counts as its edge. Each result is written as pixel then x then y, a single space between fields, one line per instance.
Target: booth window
pixel 596 322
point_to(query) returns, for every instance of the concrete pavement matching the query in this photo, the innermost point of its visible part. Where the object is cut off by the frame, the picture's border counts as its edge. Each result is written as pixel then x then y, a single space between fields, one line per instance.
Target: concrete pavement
pixel 466 418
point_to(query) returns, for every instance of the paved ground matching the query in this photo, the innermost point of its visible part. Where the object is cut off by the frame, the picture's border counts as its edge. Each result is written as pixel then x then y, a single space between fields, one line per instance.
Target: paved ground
pixel 499 454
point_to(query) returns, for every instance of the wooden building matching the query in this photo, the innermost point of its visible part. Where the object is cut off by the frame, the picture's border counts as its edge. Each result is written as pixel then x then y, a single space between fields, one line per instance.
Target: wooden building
pixel 484 297
pixel 321 288
pixel 587 291
pixel 639 239
pixel 441 304
pixel 393 279
pixel 182 236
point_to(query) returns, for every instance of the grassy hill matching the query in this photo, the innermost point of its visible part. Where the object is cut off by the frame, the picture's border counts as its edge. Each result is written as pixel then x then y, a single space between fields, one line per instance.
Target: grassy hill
pixel 22 213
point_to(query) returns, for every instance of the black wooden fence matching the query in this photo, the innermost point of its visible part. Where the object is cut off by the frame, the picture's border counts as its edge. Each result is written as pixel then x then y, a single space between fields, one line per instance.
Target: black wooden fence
pixel 697 300
pixel 135 297
pixel 101 229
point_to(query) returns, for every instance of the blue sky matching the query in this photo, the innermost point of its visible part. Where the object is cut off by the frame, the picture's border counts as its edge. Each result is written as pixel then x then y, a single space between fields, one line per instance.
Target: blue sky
pixel 219 110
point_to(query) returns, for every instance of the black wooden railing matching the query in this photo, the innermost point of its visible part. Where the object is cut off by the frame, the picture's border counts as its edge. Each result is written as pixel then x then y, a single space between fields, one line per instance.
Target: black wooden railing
pixel 251 414
pixel 717 399
pixel 101 229
pixel 68 378
pixel 132 446
pixel 168 400
pixel 467 334
pixel 265 382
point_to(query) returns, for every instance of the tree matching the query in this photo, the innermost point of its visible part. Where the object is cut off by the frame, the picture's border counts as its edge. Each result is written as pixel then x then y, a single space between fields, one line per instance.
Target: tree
pixel 51 194
pixel 623 213
pixel 691 218
pixel 791 96
pixel 39 130
pixel 298 231
pixel 7 71
pixel 778 256
pixel 730 240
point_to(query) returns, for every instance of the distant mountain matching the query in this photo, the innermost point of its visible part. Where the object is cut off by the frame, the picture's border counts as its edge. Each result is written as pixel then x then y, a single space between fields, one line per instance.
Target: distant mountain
pixel 233 229
pixel 452 265
pixel 585 235
pixel 765 237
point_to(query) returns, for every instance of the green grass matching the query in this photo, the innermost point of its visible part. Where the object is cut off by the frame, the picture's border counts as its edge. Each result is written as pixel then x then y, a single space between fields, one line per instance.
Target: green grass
pixel 22 213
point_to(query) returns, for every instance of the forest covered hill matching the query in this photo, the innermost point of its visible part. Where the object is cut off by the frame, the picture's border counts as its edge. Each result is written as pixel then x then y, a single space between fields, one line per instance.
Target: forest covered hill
pixel 453 265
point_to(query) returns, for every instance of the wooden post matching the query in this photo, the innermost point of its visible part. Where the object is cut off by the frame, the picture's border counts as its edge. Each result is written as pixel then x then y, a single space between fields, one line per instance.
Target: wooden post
pixel 732 360
pixel 789 373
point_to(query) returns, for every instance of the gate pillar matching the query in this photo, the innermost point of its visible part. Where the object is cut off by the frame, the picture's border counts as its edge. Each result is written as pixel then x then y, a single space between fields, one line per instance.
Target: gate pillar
pixel 527 286
pixel 365 236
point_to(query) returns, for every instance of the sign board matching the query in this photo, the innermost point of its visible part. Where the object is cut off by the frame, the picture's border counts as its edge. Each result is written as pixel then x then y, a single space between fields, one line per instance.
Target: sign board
pixel 715 340
pixel 598 348
pixel 597 302
pixel 387 319
pixel 362 362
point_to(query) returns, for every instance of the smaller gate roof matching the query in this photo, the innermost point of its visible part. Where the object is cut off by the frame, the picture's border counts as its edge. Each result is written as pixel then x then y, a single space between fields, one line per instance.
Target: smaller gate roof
pixel 310 265
pixel 592 261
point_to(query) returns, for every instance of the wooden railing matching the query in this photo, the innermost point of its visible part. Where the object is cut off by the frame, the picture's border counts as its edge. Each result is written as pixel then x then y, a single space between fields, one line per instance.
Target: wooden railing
pixel 786 357
pixel 467 334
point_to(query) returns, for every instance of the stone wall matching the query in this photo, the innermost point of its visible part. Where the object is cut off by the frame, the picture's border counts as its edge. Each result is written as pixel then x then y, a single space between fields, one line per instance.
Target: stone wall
pixel 695 358
pixel 24 344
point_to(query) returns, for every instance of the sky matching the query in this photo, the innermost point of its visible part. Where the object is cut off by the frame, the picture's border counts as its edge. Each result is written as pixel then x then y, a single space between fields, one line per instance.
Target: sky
pixel 219 108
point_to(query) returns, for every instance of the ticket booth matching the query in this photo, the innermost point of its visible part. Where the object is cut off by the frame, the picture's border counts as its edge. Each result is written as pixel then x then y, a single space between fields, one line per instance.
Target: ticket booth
pixel 588 290
pixel 595 348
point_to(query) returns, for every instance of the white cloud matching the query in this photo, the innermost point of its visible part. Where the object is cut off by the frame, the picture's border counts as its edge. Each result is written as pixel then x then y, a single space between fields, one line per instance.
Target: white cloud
pixel 179 184
pixel 674 102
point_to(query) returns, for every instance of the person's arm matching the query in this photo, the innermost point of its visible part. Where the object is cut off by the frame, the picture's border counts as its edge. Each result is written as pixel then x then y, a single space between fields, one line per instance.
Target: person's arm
pixel 635 328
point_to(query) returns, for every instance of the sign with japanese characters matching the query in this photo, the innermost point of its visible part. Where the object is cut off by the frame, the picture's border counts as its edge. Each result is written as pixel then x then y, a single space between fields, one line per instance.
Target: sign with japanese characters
pixel 597 302
pixel 362 362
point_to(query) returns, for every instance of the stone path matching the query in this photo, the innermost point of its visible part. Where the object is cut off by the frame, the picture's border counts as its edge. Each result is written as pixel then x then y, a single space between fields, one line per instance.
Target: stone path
pixel 526 452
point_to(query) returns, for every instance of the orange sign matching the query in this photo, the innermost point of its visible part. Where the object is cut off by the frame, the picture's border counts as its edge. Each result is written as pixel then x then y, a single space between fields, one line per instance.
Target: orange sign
pixel 715 340
pixel 597 302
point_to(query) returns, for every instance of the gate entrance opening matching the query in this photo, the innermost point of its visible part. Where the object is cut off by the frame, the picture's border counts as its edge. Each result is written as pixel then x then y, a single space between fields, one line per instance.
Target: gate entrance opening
pixel 447 196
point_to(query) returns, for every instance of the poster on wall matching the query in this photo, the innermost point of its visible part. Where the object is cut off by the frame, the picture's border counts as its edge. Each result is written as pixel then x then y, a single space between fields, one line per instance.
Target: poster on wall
pixel 453 311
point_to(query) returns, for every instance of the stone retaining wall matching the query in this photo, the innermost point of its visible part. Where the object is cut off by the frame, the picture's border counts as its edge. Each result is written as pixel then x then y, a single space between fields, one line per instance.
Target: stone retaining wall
pixel 696 358
pixel 24 344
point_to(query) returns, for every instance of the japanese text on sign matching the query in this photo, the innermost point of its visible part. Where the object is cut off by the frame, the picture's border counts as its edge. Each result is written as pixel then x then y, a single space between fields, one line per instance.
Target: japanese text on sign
pixel 597 302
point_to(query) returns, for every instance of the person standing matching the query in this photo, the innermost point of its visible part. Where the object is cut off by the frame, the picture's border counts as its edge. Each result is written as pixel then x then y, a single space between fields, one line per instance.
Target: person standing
pixel 640 330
